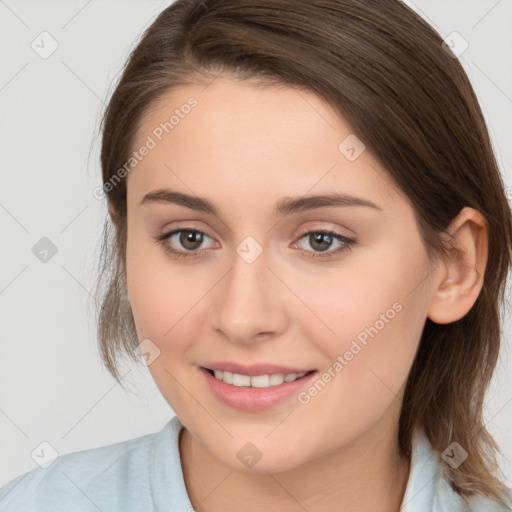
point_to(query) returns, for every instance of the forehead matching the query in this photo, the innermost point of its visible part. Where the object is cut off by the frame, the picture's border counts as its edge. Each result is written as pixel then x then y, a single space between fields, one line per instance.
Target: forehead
pixel 251 139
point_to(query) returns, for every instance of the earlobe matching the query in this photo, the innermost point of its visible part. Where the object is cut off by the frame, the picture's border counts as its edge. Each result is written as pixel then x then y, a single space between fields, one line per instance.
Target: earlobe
pixel 460 278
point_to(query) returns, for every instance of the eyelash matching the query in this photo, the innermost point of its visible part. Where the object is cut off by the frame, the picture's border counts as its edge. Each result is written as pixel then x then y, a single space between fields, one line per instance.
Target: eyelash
pixel 163 241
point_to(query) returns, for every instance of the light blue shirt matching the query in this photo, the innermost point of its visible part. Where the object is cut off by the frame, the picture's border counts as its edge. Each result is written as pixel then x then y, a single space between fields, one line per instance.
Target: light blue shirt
pixel 144 474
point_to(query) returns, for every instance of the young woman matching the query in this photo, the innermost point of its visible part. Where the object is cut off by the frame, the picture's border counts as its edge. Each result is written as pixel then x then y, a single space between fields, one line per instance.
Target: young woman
pixel 310 248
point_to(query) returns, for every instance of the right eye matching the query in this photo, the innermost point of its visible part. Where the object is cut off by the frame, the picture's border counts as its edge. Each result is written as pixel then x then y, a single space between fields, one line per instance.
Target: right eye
pixel 193 238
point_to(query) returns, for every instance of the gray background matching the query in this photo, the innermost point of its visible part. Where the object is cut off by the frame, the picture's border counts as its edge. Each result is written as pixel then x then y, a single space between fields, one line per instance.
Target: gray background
pixel 52 385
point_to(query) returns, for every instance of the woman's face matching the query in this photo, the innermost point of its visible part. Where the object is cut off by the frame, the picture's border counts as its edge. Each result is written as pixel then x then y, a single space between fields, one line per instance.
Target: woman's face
pixel 257 289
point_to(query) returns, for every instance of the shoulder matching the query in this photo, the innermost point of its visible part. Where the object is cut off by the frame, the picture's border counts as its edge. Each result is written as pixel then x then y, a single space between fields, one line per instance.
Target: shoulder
pixel 112 477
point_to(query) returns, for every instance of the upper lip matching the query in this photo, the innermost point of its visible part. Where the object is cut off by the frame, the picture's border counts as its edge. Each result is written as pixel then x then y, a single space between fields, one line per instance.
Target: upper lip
pixel 254 369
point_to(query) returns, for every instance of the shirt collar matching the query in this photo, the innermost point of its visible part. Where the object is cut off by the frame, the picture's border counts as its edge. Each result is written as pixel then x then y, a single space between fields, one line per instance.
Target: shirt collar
pixel 166 474
pixel 427 490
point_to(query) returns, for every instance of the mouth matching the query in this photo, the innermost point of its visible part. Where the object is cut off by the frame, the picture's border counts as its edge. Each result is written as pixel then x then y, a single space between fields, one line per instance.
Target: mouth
pixel 254 393
pixel 256 381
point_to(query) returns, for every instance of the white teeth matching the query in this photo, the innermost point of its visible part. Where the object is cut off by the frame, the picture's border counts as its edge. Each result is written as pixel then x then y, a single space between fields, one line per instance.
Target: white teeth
pixel 260 381
pixel 276 379
pixel 241 380
pixel 257 381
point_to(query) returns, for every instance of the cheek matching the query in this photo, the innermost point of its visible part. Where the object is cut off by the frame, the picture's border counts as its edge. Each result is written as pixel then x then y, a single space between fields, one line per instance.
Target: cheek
pixel 162 295
pixel 165 301
pixel 372 314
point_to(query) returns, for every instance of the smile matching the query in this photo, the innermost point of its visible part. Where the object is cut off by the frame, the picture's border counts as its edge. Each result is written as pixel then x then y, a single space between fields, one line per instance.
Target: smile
pixel 254 393
pixel 256 381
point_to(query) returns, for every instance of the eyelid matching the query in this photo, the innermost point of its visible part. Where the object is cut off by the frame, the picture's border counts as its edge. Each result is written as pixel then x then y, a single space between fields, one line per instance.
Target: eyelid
pixel 324 227
pixel 185 226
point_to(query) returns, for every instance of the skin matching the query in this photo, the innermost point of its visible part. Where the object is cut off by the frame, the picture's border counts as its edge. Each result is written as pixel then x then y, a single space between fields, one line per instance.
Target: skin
pixel 244 147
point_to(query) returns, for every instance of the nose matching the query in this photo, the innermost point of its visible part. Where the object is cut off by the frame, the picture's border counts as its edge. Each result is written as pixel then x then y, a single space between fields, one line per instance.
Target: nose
pixel 249 304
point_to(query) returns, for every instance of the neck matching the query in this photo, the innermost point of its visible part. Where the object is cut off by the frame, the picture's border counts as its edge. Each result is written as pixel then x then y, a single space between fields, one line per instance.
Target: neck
pixel 369 474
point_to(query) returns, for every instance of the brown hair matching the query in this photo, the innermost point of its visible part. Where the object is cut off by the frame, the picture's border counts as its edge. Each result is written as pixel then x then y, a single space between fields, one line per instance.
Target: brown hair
pixel 384 69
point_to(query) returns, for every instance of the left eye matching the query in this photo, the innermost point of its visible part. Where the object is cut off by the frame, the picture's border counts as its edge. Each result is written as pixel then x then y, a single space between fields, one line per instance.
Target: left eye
pixel 320 239
pixel 192 239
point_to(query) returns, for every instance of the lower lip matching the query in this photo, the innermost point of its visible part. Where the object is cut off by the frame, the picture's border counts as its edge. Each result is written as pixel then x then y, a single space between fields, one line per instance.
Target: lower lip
pixel 254 399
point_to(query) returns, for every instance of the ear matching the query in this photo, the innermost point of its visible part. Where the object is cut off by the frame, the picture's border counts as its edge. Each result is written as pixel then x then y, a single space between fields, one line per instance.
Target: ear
pixel 461 272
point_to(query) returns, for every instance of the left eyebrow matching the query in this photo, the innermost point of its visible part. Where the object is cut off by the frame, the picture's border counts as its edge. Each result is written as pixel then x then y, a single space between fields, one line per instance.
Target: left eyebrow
pixel 299 204
pixel 284 206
